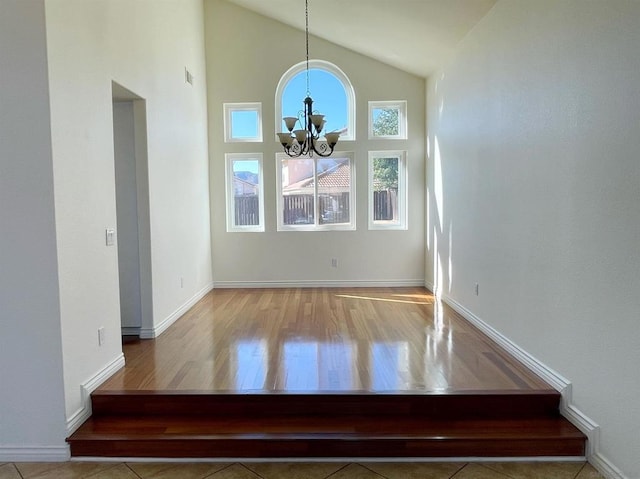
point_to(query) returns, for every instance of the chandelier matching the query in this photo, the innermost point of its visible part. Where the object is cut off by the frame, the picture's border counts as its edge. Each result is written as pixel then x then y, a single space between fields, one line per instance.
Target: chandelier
pixel 306 141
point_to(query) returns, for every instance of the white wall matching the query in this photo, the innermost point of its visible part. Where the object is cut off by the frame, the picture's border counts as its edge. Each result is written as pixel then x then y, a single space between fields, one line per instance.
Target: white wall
pixel 145 47
pixel 246 56
pixel 534 193
pixel 31 397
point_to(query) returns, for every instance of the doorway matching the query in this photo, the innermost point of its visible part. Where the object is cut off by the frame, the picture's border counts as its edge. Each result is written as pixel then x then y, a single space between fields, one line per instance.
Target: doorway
pixel 132 209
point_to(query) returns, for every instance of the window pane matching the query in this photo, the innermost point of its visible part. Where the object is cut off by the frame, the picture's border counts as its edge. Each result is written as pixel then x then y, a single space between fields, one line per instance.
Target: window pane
pixel 385 189
pixel 329 99
pixel 385 122
pixel 334 185
pixel 298 189
pixel 246 188
pixel 244 124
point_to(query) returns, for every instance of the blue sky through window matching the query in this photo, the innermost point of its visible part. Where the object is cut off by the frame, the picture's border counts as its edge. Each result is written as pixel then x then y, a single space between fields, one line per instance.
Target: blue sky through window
pixel 329 99
pixel 327 92
pixel 251 166
pixel 244 124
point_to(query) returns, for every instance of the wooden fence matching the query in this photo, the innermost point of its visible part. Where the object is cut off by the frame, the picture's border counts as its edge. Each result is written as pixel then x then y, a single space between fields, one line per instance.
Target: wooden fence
pixel 247 211
pixel 298 209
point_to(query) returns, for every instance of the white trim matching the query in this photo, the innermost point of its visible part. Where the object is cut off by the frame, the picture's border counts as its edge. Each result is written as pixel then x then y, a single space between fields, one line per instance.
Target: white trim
pixel 605 467
pixel 34 454
pixel 150 333
pixel 402 283
pixel 229 159
pixel 557 381
pixel 316 226
pixel 401 106
pixel 330 68
pixel 130 330
pixel 403 195
pixel 86 388
pixel 586 425
pixel 229 109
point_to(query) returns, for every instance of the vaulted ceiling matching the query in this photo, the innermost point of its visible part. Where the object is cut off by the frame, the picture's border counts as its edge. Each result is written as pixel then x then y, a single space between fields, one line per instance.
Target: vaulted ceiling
pixel 414 35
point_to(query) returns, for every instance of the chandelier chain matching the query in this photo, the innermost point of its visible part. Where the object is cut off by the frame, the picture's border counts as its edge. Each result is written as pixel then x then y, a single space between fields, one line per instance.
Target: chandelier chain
pixel 307 140
pixel 306 19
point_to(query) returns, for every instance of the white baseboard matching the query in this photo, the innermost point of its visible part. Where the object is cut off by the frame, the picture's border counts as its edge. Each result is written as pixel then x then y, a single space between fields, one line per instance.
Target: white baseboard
pixel 34 454
pixel 402 283
pixel 130 330
pixel 605 467
pixel 86 388
pixel 587 426
pixel 157 330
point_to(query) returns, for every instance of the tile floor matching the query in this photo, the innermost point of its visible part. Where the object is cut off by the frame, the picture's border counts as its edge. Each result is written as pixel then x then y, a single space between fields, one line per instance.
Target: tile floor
pixel 332 470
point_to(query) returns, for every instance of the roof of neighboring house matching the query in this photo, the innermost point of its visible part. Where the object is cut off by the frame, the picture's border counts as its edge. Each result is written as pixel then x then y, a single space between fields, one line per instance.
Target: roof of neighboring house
pixel 240 180
pixel 337 177
pixel 245 185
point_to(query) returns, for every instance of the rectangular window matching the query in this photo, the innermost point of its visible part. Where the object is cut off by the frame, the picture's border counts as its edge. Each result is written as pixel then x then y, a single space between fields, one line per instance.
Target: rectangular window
pixel 242 122
pixel 316 193
pixel 245 196
pixel 387 190
pixel 388 120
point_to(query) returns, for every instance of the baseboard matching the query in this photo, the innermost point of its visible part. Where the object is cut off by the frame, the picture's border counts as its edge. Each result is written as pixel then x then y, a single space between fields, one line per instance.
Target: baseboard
pixel 157 330
pixel 587 426
pixel 402 283
pixel 86 388
pixel 605 467
pixel 130 330
pixel 34 454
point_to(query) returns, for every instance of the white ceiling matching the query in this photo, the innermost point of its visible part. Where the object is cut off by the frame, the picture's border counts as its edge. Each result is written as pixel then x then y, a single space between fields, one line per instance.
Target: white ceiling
pixel 414 35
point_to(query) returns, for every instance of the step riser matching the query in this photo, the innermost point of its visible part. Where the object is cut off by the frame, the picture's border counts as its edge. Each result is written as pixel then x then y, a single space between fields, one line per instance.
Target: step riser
pixel 329 448
pixel 198 425
pixel 464 406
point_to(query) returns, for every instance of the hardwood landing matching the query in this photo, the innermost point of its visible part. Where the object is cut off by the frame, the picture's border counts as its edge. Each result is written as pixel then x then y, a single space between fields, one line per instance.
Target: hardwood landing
pixel 323 373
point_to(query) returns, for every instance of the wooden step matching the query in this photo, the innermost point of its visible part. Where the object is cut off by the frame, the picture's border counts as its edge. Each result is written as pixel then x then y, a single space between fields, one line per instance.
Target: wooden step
pixel 460 405
pixel 190 436
pixel 280 425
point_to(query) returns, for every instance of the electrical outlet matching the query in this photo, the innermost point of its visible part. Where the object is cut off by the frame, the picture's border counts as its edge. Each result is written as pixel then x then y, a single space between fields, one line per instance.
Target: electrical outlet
pixel 334 262
pixel 477 289
pixel 100 336
pixel 181 281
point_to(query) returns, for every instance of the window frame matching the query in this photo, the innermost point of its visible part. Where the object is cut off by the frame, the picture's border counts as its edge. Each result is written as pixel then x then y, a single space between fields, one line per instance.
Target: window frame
pixel 230 158
pixel 329 68
pixel 402 198
pixel 229 108
pixel 401 106
pixel 351 226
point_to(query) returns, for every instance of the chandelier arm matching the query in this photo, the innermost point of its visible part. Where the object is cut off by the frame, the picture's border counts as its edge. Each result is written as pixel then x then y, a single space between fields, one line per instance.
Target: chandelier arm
pixel 322 148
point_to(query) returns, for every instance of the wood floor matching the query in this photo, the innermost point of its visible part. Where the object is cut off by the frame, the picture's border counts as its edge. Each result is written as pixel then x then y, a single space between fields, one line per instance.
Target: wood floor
pixel 323 373
pixel 320 340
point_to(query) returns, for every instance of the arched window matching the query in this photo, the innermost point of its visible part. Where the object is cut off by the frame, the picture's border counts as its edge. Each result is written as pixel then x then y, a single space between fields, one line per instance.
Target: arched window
pixel 331 91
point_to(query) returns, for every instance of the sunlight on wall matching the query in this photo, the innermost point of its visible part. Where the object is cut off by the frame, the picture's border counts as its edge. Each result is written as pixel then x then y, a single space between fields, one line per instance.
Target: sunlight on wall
pixel 438 195
pixel 450 270
pixel 437 182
